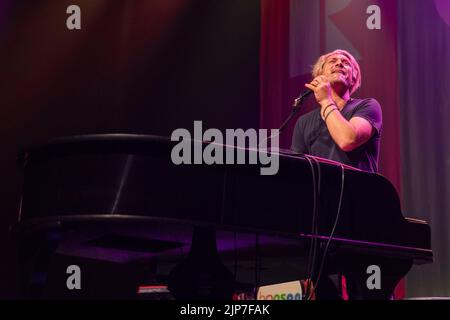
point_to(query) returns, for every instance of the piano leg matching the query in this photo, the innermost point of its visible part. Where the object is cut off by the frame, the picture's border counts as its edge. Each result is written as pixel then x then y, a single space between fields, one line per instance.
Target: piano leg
pixel 202 275
pixel 36 251
pixel 356 274
pixel 355 270
pixel 329 288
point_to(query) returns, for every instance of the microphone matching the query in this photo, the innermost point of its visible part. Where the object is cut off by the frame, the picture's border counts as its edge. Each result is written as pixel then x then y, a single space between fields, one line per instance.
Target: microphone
pixel 295 108
pixel 302 96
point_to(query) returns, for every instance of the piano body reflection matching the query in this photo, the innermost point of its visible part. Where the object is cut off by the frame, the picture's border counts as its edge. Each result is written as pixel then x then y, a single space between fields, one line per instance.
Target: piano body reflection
pixel 209 229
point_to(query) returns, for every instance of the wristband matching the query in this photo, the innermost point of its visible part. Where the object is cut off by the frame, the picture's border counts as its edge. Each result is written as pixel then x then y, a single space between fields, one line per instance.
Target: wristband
pixel 323 113
pixel 325 119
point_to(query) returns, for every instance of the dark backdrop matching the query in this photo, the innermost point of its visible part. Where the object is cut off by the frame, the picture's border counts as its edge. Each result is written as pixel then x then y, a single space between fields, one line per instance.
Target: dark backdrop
pixel 136 66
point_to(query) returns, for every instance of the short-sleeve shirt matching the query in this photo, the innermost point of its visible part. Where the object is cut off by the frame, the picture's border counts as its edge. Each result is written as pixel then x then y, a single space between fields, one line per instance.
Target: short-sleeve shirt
pixel 311 135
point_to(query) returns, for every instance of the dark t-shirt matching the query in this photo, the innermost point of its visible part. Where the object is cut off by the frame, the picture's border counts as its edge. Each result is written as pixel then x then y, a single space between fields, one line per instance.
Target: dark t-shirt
pixel 311 136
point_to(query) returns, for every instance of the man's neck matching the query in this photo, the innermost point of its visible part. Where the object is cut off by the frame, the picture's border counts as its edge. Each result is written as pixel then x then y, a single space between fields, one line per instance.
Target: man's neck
pixel 340 99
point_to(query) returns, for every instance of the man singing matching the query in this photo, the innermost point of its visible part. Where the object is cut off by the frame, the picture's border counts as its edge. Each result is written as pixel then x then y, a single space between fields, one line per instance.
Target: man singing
pixel 343 129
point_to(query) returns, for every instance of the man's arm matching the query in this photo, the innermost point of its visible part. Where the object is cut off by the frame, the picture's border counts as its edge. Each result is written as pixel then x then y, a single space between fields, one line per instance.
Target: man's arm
pixel 348 135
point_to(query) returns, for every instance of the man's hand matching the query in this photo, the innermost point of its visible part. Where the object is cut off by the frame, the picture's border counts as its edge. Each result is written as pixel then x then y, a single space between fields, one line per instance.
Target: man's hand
pixel 322 90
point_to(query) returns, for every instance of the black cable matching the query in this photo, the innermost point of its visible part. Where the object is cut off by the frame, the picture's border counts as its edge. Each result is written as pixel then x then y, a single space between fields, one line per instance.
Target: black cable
pixel 316 217
pixel 334 226
pixel 256 265
pixel 312 256
pixel 235 255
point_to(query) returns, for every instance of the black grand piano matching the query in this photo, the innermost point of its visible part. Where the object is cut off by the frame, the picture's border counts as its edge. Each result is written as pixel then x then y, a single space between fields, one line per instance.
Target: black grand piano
pixel 210 230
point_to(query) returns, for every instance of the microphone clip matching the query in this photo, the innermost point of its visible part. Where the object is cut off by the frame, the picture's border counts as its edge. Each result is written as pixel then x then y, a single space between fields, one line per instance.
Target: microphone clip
pixel 300 98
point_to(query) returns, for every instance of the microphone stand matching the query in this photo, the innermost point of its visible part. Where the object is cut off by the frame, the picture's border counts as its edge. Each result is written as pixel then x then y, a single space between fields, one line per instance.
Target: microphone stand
pixel 295 108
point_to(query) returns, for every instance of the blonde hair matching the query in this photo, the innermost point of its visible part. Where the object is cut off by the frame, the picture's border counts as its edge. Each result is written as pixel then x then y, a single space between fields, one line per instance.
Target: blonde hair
pixel 317 69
